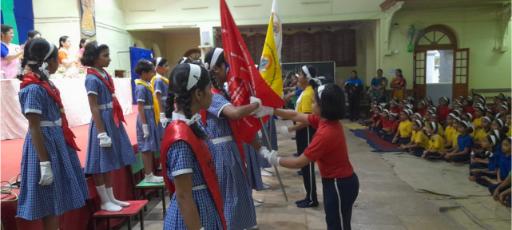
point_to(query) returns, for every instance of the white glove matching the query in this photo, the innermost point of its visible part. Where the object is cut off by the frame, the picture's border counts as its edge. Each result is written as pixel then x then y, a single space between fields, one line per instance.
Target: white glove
pixel 255 100
pixel 46 173
pixel 272 157
pixel 145 130
pixel 263 151
pixel 105 140
pixel 264 111
pixel 163 120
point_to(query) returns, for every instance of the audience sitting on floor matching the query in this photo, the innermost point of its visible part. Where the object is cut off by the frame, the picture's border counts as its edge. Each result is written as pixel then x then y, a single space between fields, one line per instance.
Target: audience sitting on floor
pixel 469 130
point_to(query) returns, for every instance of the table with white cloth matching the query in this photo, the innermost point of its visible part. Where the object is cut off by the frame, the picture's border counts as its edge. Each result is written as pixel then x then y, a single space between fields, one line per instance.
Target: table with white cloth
pixel 74 98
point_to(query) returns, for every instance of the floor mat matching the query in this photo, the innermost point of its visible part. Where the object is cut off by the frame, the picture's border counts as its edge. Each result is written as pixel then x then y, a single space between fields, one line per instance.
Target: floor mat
pixel 377 143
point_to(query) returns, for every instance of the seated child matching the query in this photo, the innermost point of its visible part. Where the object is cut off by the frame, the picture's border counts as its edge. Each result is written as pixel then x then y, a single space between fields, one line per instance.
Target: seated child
pixel 421 108
pixel 464 142
pixel 483 162
pixel 478 116
pixel 375 121
pixel 497 128
pixel 404 130
pixel 393 107
pixel 436 143
pixel 502 192
pixel 443 109
pixel 419 141
pixel 386 132
pixel 433 118
pixel 503 166
pixel 449 130
pixel 482 131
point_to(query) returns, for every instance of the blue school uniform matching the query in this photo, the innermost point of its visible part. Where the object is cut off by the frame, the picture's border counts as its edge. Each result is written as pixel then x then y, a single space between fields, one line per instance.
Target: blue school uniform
pixel 152 142
pixel 239 208
pixel 68 190
pixel 120 154
pixel 253 168
pixel 162 88
pixel 504 165
pixel 181 160
pixel 464 141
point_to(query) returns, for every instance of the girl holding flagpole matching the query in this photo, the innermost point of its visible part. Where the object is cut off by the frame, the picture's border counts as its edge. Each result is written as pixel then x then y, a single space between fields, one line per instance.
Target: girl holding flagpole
pixel 329 149
pixel 109 147
pixel 238 205
pixel 148 120
pixel 52 180
pixel 196 202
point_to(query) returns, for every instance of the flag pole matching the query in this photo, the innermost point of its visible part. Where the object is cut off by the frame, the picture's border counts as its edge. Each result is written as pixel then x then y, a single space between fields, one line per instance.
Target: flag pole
pixel 269 146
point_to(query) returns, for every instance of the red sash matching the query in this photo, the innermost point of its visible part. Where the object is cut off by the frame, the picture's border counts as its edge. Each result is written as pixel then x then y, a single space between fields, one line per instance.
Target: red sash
pixel 116 107
pixel 234 129
pixel 179 130
pixel 32 78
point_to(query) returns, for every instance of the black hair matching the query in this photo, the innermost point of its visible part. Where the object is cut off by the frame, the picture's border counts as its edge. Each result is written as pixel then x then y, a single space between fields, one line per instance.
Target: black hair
pixel 183 96
pixel 35 51
pixel 332 102
pixel 220 61
pixel 144 66
pixel 379 70
pixel 62 39
pixel 91 52
pixel 82 43
pixel 354 71
pixel 399 72
pixel 31 34
pixel 162 62
pixel 6 28
pixel 184 60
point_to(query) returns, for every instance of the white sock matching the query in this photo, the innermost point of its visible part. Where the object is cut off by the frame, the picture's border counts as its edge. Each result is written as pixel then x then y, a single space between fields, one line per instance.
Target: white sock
pixel 106 203
pixel 110 193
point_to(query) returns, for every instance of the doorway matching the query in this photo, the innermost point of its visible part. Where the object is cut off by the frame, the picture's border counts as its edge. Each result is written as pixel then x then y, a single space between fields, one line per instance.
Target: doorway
pixel 440 67
pixel 439 74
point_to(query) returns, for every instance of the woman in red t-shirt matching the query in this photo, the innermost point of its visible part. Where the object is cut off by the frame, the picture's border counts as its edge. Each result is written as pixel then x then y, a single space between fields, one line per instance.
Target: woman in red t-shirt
pixel 329 149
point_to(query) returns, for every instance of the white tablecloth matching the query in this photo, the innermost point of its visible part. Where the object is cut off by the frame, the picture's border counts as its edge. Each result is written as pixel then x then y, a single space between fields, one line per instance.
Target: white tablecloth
pixel 74 97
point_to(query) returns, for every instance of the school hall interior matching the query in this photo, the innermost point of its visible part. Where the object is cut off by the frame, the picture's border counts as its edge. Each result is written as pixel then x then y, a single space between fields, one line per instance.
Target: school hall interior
pixel 444 64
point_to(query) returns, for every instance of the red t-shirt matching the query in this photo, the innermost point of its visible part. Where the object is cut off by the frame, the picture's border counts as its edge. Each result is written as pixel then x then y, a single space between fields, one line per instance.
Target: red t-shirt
pixel 329 148
pixel 387 124
pixel 442 112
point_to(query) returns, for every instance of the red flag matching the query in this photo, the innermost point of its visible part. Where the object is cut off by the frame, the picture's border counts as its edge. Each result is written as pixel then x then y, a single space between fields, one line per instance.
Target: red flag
pixel 243 78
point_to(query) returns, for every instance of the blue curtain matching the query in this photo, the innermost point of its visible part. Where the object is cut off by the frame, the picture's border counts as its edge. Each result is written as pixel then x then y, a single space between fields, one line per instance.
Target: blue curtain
pixel 135 55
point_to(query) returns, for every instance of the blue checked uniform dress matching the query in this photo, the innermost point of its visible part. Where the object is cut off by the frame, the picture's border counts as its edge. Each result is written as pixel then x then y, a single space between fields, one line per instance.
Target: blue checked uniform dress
pixel 68 190
pixel 120 154
pixel 162 88
pixel 253 168
pixel 239 208
pixel 181 160
pixel 151 143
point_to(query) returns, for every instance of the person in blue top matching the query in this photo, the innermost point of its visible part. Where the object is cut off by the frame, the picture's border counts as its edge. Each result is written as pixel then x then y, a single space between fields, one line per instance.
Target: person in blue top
pixel 496 186
pixel 378 87
pixel 465 143
pixel 354 87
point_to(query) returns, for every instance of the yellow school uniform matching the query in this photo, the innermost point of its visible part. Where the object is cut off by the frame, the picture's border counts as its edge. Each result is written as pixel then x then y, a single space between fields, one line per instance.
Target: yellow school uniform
pixel 436 143
pixel 479 135
pixel 477 122
pixel 509 132
pixel 405 129
pixel 448 132
pixel 455 141
pixel 440 129
pixel 305 100
pixel 420 139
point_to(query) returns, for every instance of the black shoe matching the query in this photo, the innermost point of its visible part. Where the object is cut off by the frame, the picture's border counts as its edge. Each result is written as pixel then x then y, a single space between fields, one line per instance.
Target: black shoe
pixel 310 204
pixel 299 172
pixel 301 201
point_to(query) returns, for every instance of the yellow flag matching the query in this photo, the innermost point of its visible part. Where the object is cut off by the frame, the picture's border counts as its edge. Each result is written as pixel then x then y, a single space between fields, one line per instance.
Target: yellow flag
pixel 270 63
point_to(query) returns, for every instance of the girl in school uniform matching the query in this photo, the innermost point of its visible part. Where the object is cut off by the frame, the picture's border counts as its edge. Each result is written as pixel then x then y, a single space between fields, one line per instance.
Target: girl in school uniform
pixel 304 133
pixel 148 121
pixel 504 165
pixel 160 84
pixel 436 142
pixel 235 188
pixel 482 131
pixel 419 141
pixel 188 170
pixel 109 147
pixel 464 143
pixel 484 162
pixel 329 149
pixel 404 130
pixel 52 180
pixel 443 109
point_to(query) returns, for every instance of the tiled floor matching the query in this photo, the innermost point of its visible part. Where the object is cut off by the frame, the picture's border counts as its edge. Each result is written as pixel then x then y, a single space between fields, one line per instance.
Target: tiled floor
pixel 384 202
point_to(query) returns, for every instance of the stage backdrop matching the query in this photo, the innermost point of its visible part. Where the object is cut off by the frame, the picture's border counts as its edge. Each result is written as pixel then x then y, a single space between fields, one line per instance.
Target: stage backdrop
pixel 135 55
pixel 20 15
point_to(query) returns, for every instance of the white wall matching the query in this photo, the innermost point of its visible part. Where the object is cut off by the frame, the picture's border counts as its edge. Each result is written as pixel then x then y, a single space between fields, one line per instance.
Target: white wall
pixel 54 22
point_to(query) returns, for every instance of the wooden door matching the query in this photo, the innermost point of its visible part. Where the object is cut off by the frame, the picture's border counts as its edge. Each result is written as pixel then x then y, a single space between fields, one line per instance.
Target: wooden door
pixel 419 73
pixel 460 72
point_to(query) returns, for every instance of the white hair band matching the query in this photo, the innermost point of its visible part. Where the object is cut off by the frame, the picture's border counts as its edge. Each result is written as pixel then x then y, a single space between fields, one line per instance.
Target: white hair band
pixel 216 54
pixel 306 71
pixel 193 76
pixel 320 90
